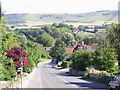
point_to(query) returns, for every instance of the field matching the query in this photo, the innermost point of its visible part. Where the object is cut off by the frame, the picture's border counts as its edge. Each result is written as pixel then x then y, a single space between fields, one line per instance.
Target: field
pixel 30 24
pixel 92 18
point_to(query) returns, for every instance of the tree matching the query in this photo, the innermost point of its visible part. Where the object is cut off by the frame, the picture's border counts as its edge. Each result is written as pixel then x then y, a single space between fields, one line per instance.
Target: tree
pixel 113 36
pixel 55 24
pixel 46 40
pixel 60 25
pixel 79 38
pixel 105 59
pixel 21 39
pixel 36 52
pixel 15 54
pixel 46 28
pixel 81 60
pixel 55 32
pixel 68 38
pixel 7 41
pixel 58 50
pixel 11 43
pixel 90 41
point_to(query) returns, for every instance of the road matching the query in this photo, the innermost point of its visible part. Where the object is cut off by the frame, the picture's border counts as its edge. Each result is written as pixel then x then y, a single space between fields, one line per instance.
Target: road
pixel 47 77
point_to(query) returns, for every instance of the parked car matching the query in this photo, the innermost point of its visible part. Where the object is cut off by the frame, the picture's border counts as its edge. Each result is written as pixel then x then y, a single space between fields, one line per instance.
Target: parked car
pixel 115 83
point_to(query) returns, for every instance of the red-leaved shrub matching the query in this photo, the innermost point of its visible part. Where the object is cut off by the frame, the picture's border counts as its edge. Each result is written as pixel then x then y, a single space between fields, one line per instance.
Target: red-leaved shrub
pixel 16 53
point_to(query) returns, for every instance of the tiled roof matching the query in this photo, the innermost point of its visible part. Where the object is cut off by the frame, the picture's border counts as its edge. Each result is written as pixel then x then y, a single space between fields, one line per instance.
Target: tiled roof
pixel 69 50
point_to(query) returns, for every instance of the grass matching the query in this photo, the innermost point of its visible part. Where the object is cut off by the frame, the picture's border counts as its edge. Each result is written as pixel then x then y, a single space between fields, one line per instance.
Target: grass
pixel 86 34
pixel 87 18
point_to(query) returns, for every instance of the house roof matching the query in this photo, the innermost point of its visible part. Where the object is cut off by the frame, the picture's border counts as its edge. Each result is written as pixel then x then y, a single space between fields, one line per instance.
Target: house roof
pixel 69 50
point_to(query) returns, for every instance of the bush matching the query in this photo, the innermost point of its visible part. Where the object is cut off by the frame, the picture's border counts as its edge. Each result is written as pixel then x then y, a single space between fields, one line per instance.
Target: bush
pixel 29 69
pixel 5 75
pixel 36 53
pixel 66 64
pixel 80 60
pixel 104 73
pixel 105 59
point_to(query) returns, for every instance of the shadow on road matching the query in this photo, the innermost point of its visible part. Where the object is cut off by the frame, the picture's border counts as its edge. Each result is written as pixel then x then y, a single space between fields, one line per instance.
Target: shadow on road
pixel 67 74
pixel 89 85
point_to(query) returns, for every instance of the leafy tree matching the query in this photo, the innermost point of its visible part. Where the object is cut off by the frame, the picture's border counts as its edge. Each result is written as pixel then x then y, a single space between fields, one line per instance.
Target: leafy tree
pixel 64 30
pixel 68 38
pixel 21 39
pixel 46 28
pixel 46 40
pixel 15 54
pixel 36 53
pixel 105 59
pixel 31 34
pixel 90 41
pixel 10 38
pixel 55 24
pixel 55 33
pixel 79 38
pixel 81 60
pixel 58 50
pixel 41 31
pixel 113 36
pixel 60 25
pixel 7 41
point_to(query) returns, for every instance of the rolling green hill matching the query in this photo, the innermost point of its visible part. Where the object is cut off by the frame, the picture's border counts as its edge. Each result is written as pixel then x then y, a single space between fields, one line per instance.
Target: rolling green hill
pixel 92 17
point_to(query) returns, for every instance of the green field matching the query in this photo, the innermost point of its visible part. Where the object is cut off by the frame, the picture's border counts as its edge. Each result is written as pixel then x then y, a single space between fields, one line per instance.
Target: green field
pixel 97 17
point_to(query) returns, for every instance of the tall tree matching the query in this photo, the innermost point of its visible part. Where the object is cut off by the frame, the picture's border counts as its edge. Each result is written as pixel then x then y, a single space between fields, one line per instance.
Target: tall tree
pixel 58 50
pixel 114 39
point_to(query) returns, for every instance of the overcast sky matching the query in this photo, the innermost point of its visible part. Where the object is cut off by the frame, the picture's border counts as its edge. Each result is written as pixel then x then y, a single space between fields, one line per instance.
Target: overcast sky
pixel 57 6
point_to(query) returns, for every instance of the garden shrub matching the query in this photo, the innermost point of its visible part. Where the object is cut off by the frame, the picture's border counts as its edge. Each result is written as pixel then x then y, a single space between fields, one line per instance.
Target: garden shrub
pixel 80 60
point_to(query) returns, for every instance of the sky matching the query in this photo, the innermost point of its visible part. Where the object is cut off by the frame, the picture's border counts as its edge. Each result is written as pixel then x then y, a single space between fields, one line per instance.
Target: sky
pixel 57 6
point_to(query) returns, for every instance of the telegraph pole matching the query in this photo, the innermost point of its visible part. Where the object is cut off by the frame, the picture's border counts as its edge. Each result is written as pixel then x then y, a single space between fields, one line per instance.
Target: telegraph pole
pixel 21 60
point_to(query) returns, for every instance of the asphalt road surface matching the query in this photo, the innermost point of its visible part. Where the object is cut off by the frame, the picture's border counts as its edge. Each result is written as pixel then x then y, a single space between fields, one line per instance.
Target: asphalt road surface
pixel 47 77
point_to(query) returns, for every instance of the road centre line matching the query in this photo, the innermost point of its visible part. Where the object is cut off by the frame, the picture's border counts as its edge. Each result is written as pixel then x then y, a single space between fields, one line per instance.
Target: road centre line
pixel 62 78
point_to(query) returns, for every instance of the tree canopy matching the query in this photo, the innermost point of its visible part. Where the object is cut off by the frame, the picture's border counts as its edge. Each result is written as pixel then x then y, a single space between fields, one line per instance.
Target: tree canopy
pixel 58 50
pixel 46 40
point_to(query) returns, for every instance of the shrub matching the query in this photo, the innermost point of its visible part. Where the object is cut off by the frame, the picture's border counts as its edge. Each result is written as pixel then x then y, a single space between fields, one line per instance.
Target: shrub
pixel 104 73
pixel 5 75
pixel 15 53
pixel 80 60
pixel 66 64
pixel 105 59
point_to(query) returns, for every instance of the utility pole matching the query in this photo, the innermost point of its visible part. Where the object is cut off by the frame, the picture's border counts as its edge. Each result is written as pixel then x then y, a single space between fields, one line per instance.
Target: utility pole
pixel 21 60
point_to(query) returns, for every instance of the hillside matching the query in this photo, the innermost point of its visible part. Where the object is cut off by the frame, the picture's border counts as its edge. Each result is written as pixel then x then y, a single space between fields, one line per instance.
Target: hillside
pixel 92 17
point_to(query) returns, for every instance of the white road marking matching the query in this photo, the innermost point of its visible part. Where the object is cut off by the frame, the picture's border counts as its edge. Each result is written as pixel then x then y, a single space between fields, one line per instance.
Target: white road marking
pixel 62 78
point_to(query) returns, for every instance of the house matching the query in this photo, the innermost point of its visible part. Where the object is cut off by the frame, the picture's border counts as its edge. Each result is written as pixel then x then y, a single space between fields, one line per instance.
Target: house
pixel 69 50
